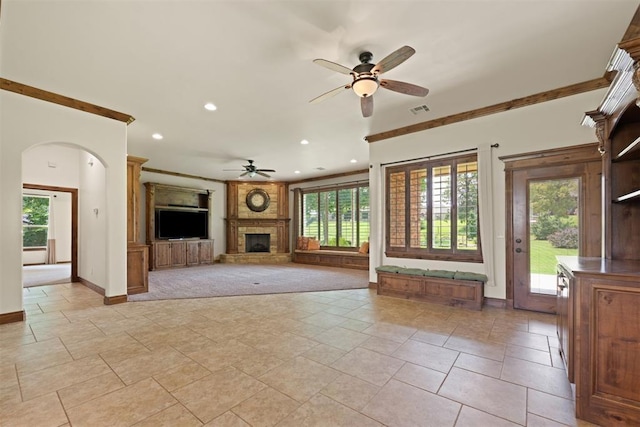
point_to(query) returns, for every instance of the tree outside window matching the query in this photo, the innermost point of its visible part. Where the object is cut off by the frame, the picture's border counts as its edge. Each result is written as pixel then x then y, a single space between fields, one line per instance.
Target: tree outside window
pixel 337 217
pixel 35 220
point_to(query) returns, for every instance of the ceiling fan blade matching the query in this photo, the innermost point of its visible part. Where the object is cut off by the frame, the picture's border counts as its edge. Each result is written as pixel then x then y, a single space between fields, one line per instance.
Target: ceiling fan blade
pixel 265 170
pixel 243 174
pixel 263 174
pixel 402 87
pixel 366 104
pixel 333 66
pixel 329 94
pixel 393 59
pixel 233 170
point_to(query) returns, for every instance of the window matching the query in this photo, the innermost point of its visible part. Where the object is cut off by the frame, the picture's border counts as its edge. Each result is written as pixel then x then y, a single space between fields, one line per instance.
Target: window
pixel 338 217
pixel 432 210
pixel 35 221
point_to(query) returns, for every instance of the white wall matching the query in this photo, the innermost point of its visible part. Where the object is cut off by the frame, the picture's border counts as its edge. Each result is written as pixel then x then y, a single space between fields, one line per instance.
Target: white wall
pixel 92 221
pixel 217 213
pixel 26 122
pixel 52 165
pixel 539 127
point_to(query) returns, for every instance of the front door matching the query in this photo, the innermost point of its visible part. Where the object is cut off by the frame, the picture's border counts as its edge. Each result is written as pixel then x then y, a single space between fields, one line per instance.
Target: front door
pixel 546 224
pixel 553 209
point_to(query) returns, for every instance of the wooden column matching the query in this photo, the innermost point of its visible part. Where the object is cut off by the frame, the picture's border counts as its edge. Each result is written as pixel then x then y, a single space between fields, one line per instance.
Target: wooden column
pixel 137 252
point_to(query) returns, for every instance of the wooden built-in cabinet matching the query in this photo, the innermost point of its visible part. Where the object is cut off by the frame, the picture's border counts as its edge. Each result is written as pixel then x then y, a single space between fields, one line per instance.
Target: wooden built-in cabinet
pixel 600 338
pixel 599 310
pixel 137 253
pixel 173 253
pixel 183 253
pixel 565 318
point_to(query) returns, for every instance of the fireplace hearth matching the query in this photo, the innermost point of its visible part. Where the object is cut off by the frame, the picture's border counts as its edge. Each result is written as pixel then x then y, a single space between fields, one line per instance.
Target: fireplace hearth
pixel 257 242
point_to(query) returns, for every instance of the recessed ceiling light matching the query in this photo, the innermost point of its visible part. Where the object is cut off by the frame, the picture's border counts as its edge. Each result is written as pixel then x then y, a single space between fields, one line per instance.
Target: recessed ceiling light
pixel 296 171
pixel 353 160
pixel 304 142
pixel 157 136
pixel 210 106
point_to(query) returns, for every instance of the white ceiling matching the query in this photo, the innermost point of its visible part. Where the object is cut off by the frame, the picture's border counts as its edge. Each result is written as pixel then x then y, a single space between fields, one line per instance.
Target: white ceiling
pixel 161 61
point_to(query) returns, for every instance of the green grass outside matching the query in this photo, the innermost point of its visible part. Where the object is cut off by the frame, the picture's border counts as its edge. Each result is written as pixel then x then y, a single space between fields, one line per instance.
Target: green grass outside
pixel 543 256
pixel 347 229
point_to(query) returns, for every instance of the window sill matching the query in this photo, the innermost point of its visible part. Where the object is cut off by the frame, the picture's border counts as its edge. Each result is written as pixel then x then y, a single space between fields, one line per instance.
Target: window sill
pixel 34 249
pixel 477 258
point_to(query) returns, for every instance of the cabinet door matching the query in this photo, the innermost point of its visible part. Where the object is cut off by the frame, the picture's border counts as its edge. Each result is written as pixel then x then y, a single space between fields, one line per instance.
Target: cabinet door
pixel 193 253
pixel 206 251
pixel 564 320
pixel 161 254
pixel 178 254
pixel 608 369
pixel 137 275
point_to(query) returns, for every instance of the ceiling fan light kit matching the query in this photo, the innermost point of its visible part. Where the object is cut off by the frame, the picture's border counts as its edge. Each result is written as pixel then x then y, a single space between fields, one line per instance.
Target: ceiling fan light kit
pixel 365 86
pixel 251 170
pixel 365 78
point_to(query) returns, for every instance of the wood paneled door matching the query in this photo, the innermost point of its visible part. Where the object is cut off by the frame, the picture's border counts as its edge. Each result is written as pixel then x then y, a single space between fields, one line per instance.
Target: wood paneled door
pixel 553 209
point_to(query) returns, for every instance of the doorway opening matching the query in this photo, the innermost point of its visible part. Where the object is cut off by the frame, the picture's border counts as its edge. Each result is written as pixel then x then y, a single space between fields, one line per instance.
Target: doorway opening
pixel 39 236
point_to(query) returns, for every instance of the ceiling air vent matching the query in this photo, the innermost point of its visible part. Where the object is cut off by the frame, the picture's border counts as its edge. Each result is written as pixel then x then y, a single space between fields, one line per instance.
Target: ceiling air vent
pixel 419 109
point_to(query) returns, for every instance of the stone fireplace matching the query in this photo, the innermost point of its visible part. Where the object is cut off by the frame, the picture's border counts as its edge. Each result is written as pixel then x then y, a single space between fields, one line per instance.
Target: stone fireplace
pixel 257 242
pixel 257 236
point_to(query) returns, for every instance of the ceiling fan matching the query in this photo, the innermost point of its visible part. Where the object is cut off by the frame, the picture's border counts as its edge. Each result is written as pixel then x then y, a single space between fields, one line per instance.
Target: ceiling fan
pixel 252 170
pixel 365 78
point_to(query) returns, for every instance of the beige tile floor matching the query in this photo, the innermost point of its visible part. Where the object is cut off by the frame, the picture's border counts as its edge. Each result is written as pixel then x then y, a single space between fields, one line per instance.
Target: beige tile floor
pixel 338 358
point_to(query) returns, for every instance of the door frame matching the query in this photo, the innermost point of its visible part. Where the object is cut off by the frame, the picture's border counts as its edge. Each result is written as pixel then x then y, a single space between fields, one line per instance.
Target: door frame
pixel 590 205
pixel 74 221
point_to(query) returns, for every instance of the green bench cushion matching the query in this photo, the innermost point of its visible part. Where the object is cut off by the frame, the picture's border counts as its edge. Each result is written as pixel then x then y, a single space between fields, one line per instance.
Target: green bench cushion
pixel 412 271
pixel 388 268
pixel 443 274
pixel 463 275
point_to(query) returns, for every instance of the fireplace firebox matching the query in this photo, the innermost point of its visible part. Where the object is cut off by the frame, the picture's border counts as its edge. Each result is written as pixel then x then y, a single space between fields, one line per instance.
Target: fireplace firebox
pixel 257 242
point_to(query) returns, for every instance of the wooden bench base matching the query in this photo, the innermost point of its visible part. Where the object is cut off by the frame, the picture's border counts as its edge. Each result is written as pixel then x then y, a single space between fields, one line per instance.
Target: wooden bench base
pixel 332 259
pixel 453 292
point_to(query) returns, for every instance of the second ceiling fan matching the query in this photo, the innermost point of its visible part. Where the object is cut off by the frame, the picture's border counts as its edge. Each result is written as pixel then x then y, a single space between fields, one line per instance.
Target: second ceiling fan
pixel 365 78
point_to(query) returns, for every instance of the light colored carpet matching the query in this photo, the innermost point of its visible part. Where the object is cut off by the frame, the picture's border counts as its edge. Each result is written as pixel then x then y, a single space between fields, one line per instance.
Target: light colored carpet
pixel 248 279
pixel 46 274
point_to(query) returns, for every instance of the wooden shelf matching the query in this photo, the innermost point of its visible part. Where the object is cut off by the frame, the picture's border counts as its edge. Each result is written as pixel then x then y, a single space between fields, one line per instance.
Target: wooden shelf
pixel 633 196
pixel 630 152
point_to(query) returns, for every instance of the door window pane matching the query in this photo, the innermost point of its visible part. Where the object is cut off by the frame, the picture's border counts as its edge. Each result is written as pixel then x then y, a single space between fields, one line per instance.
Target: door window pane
pixel 554 229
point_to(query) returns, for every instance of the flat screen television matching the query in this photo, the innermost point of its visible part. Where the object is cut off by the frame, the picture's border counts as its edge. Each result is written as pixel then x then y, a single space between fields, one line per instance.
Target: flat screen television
pixel 179 224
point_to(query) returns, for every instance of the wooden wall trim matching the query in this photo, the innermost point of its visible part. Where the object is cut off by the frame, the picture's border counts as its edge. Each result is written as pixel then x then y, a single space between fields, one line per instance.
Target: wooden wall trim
pixel 495 302
pixel 335 175
pixel 557 156
pixel 91 285
pixel 65 101
pixel 633 30
pixel 182 175
pixel 16 316
pixel 116 299
pixel 574 89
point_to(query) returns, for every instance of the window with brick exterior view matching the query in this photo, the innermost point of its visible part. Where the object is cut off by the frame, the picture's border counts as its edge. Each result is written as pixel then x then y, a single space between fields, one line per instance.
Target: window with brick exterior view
pixel 432 210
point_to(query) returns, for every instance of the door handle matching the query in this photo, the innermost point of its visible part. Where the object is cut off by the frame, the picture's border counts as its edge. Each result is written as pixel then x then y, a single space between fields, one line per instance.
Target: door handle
pixel 518 250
